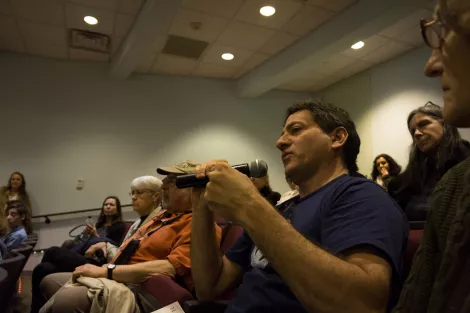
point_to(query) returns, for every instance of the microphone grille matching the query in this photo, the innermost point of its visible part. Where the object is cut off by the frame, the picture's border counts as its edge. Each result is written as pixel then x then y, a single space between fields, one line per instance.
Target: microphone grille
pixel 258 168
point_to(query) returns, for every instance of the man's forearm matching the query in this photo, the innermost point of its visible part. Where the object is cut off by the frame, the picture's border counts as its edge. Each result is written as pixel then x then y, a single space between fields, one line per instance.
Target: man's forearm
pixel 320 281
pixel 205 254
pixel 137 273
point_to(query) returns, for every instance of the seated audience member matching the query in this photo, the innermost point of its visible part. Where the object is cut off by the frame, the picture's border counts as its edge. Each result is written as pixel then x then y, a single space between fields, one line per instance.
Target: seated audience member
pixel 384 169
pixel 438 281
pixel 19 224
pixel 337 248
pixel 109 226
pixel 15 190
pixel 293 192
pixel 162 249
pixel 262 184
pixel 146 199
pixel 146 214
pixel 436 148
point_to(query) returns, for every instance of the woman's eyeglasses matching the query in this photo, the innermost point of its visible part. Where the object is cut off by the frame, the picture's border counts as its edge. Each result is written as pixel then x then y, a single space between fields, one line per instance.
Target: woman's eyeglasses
pixel 138 193
pixel 433 33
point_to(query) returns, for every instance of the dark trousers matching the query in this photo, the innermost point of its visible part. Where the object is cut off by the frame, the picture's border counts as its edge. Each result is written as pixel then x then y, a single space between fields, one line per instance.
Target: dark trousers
pixel 55 260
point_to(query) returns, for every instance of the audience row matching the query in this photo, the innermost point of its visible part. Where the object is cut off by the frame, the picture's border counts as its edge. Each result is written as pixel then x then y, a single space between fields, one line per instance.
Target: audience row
pixel 337 245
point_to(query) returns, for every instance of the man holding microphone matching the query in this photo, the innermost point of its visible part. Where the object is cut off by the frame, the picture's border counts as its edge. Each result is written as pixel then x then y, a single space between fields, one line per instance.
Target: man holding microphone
pixel 336 248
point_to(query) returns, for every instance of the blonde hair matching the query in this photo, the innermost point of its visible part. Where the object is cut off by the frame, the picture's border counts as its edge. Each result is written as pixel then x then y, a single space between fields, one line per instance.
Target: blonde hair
pixel 147 182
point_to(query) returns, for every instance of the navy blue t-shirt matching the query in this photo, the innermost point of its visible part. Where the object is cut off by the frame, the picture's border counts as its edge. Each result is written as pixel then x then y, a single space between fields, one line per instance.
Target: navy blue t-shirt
pixel 345 213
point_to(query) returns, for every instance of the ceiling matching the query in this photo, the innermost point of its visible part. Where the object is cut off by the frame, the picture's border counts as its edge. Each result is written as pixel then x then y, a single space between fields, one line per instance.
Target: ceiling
pixel 305 46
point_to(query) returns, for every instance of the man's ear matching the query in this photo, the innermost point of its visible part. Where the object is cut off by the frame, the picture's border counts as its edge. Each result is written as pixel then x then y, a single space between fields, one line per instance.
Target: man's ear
pixel 338 136
pixel 156 197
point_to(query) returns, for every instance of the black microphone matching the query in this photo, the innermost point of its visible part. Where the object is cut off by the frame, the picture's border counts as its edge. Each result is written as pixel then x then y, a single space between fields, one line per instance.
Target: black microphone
pixel 257 168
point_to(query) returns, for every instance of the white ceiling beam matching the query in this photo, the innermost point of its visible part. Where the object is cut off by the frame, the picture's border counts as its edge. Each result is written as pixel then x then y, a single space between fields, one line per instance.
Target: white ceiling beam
pixel 360 21
pixel 154 18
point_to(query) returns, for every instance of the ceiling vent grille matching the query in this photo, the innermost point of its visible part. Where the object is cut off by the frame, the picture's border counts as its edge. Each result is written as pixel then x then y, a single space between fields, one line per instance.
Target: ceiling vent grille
pixel 184 47
pixel 89 40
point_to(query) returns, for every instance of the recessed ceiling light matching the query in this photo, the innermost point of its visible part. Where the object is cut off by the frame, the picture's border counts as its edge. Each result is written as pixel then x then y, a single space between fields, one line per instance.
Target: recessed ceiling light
pixel 227 56
pixel 90 20
pixel 267 10
pixel 358 45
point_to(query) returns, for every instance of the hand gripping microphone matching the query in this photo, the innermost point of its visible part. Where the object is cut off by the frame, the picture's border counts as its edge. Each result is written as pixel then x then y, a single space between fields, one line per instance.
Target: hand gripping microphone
pixel 257 168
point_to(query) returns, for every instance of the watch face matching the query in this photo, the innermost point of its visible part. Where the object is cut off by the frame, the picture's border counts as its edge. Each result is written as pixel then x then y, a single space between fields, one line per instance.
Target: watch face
pixel 111 266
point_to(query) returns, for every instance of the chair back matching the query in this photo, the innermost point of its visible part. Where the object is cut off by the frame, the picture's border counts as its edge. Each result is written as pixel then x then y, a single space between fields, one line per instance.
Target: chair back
pixel 161 290
pixel 3 284
pixel 13 266
pixel 414 240
pixel 126 229
pixel 25 250
pixel 30 242
pixel 231 233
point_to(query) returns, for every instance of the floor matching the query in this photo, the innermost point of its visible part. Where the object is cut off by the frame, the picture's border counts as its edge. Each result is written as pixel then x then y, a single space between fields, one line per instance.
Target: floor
pixel 22 302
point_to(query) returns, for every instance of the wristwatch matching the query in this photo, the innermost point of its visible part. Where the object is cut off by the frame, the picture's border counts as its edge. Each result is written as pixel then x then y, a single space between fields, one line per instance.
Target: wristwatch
pixel 111 267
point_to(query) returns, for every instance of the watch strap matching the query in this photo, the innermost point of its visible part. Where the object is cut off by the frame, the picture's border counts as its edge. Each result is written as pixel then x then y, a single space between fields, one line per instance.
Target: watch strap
pixel 110 272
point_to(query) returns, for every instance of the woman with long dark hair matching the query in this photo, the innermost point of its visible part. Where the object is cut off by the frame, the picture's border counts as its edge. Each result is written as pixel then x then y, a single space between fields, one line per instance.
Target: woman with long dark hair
pixel 15 190
pixel 109 226
pixel 109 222
pixel 384 169
pixel 437 147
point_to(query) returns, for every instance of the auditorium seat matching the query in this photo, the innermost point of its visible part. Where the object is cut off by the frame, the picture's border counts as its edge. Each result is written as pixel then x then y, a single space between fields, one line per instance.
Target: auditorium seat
pixel 3 286
pixel 13 265
pixel 25 250
pixel 414 240
pixel 30 242
pixel 126 229
pixel 165 290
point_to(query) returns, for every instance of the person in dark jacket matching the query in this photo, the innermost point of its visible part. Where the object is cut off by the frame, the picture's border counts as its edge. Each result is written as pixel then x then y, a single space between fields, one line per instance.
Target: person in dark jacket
pixel 109 226
pixel 437 147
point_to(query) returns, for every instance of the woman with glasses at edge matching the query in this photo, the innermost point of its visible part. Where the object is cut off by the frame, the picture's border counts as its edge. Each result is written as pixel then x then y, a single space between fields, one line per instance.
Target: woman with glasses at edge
pixel 439 278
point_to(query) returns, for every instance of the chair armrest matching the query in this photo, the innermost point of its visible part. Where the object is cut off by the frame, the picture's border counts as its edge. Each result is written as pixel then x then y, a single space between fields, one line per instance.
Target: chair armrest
pixel 205 306
pixel 166 291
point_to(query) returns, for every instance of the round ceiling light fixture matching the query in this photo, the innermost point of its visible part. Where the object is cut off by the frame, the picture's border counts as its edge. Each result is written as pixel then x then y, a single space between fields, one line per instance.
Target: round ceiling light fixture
pixel 90 20
pixel 267 10
pixel 358 45
pixel 227 56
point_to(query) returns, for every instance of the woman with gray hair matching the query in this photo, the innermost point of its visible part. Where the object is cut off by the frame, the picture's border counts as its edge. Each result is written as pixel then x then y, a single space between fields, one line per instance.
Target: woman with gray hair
pixel 146 202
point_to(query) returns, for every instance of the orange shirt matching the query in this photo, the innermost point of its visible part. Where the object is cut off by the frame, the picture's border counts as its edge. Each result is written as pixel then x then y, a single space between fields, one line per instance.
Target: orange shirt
pixel 170 242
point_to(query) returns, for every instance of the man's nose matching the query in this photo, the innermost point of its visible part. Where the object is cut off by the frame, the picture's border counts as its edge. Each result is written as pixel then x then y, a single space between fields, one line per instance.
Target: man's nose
pixel 282 143
pixel 434 66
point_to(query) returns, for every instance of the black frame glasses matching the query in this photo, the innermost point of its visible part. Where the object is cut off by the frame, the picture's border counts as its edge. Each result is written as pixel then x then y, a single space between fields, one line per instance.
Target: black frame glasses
pixel 138 192
pixel 434 31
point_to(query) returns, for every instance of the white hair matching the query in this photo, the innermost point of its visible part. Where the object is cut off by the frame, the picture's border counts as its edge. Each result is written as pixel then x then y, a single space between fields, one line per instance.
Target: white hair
pixel 147 182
